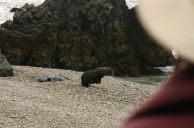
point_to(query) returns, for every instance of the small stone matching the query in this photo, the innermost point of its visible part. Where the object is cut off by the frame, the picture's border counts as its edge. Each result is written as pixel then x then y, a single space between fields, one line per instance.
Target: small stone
pixel 51 77
pixel 5 68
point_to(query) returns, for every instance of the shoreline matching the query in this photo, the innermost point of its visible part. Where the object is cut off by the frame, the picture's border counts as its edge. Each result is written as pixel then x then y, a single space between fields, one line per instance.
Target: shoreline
pixel 27 103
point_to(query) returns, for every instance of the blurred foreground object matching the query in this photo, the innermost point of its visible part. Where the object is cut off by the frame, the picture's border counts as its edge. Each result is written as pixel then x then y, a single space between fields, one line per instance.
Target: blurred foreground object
pixel 171 23
pixel 175 54
pixel 172 106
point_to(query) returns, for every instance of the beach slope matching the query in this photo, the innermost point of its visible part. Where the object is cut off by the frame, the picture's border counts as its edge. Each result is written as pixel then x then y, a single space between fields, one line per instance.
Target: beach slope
pixel 24 102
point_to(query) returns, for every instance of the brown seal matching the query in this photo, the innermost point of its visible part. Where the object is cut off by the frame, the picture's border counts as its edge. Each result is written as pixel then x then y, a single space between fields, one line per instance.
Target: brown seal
pixel 95 76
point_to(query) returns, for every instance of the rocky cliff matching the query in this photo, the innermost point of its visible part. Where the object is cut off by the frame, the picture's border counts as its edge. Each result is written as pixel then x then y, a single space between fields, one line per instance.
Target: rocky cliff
pixel 80 35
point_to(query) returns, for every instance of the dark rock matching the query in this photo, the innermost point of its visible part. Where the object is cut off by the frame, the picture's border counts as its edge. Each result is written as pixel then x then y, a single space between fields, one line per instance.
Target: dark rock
pixel 14 9
pixel 51 77
pixel 81 35
pixel 5 68
pixel 7 24
pixel 22 14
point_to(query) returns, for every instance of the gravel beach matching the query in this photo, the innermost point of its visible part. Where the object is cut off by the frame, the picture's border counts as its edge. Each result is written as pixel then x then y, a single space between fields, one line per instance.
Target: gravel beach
pixel 26 103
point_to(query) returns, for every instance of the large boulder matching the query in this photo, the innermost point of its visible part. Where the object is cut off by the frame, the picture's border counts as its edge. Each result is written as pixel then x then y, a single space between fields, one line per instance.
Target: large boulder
pixel 5 68
pixel 81 35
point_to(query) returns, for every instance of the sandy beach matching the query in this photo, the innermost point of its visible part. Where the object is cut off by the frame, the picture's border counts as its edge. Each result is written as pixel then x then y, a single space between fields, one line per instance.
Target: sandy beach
pixel 26 103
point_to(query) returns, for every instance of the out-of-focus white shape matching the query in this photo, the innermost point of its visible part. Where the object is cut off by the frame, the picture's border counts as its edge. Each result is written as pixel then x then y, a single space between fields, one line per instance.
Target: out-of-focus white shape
pixel 175 54
pixel 167 69
pixel 7 5
pixel 131 3
pixel 171 22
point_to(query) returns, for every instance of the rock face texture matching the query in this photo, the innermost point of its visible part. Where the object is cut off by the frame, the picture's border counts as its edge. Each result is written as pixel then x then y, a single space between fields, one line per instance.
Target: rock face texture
pixel 5 68
pixel 80 35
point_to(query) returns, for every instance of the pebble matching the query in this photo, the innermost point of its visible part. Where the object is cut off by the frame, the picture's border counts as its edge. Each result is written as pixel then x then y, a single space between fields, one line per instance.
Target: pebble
pixel 50 104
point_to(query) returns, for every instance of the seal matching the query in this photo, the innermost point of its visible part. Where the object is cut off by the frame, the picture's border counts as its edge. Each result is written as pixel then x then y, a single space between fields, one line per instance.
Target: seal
pixel 95 76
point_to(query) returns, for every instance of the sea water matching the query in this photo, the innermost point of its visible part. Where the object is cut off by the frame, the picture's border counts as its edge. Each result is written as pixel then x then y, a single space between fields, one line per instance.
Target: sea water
pixel 7 5
pixel 152 79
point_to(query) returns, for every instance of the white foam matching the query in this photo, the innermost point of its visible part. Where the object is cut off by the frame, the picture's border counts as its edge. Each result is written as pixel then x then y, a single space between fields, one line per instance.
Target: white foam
pixel 167 69
pixel 131 3
pixel 6 5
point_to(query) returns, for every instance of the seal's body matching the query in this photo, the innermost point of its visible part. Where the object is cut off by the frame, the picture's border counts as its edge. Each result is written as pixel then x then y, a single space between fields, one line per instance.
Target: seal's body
pixel 95 76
